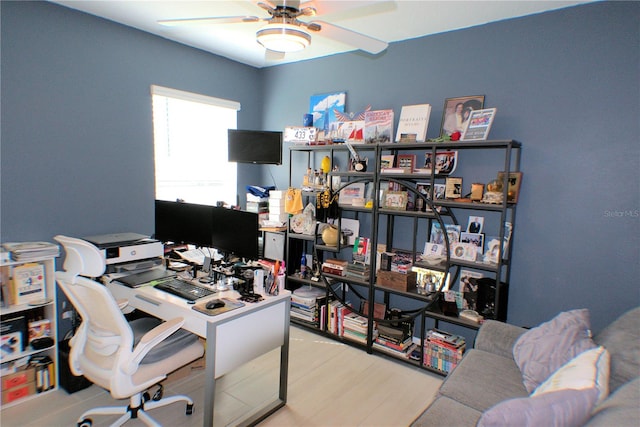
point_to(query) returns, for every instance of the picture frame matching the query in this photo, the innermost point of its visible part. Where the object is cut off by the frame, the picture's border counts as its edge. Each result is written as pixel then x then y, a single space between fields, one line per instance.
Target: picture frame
pixel 407 162
pixel 351 192
pixel 479 125
pixel 323 107
pixel 456 112
pixel 424 188
pixel 475 224
pixel 453 188
pixel 464 251
pixel 396 200
pixel 476 239
pixel 387 161
pixel 445 164
pixel 514 181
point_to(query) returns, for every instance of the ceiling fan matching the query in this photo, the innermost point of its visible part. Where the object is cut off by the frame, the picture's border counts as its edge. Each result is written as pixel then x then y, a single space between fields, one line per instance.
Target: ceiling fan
pixel 284 32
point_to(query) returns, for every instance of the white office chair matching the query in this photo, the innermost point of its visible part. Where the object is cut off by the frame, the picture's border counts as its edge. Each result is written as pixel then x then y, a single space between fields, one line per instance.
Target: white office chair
pixel 124 358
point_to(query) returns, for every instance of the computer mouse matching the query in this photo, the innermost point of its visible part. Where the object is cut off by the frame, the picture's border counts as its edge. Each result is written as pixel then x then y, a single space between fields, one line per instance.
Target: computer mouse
pixel 216 303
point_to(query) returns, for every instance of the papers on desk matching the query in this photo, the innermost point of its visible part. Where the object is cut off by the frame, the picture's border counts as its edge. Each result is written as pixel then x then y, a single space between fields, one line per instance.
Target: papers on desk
pixel 197 255
pixel 29 251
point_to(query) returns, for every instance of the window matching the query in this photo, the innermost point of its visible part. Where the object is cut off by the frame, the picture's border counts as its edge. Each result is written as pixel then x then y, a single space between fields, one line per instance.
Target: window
pixel 190 145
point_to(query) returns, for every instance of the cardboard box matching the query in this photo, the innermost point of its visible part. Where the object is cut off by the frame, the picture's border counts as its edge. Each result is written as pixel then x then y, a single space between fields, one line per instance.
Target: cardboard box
pixel 19 392
pixel 18 378
pixel 396 281
pixel 18 385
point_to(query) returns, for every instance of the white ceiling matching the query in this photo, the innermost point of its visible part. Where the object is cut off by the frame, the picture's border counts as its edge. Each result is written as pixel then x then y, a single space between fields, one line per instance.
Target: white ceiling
pixel 389 21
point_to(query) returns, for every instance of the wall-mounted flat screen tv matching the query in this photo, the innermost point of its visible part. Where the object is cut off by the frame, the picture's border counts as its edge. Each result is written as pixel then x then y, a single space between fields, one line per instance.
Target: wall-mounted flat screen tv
pixel 255 146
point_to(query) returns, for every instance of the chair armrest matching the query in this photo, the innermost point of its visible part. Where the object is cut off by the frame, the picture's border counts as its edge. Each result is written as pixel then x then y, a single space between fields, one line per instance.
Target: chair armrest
pixel 498 337
pixel 150 340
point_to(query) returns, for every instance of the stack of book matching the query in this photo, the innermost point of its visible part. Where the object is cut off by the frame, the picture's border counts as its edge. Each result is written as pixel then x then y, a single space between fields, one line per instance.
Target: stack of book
pixel 357 270
pixel 29 251
pixel 395 341
pixel 443 350
pixel 306 304
pixel 355 327
pixel 334 266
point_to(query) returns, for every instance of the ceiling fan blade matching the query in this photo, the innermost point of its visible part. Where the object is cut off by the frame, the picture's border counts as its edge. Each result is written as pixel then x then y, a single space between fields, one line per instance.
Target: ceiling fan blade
pixel 350 8
pixel 266 5
pixel 353 38
pixel 208 20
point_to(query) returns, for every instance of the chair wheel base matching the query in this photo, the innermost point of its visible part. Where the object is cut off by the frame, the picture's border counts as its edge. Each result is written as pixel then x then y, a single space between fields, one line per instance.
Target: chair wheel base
pixel 87 422
pixel 189 410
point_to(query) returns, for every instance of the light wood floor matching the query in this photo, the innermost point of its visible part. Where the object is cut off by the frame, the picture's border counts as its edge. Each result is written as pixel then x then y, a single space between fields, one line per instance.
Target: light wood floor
pixel 330 384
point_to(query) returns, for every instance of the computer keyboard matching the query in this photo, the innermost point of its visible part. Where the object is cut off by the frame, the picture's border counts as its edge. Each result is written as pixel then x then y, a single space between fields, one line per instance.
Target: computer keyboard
pixel 183 289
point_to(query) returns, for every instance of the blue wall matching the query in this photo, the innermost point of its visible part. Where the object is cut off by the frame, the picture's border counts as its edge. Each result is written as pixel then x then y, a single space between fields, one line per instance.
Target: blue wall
pixel 77 138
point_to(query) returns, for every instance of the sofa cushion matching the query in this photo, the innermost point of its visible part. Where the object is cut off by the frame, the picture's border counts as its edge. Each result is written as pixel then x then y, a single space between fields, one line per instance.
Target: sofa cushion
pixel 588 370
pixel 622 339
pixel 447 412
pixel 621 409
pixel 566 408
pixel 482 380
pixel 544 349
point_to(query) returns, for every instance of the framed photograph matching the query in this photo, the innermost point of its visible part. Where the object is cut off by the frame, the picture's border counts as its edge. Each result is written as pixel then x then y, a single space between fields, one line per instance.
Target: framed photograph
pixel 479 125
pixel 453 188
pixel 456 112
pixel 386 161
pixel 395 200
pixel 445 164
pixel 407 162
pixel 351 192
pixel 453 232
pixel 469 287
pixel 514 181
pixel 464 251
pixel 424 188
pixel 475 224
pixel 476 239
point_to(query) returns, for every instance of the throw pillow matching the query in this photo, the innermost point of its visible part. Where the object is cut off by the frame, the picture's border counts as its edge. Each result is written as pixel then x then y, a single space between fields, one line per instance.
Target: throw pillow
pixel 588 370
pixel 566 408
pixel 541 351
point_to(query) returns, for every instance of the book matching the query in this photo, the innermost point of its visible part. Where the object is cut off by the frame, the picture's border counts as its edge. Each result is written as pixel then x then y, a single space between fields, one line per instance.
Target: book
pixel 350 229
pixel 414 120
pixel 27 284
pixel 361 250
pixel 378 126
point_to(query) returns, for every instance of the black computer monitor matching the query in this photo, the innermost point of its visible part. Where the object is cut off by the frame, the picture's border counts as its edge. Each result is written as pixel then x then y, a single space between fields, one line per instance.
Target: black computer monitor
pixel 187 223
pixel 235 232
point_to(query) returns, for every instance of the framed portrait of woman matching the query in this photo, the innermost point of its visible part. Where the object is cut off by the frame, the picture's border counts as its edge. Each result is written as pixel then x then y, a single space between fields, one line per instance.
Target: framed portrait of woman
pixel 456 113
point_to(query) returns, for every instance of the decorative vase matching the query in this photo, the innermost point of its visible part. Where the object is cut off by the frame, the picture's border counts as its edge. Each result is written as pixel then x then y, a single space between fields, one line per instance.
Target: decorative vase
pixel 330 235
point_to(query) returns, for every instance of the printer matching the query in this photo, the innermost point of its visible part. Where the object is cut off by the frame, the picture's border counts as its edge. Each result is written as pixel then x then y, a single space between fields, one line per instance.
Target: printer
pixel 128 252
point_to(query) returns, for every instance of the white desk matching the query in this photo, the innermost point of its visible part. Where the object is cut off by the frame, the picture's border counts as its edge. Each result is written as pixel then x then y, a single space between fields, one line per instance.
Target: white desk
pixel 233 338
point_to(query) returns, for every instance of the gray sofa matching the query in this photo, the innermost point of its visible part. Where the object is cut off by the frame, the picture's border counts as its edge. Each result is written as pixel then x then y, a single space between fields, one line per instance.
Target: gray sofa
pixel 488 375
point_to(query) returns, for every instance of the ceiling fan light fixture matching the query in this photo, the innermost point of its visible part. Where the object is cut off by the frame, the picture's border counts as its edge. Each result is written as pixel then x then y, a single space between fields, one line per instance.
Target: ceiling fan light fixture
pixel 281 37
